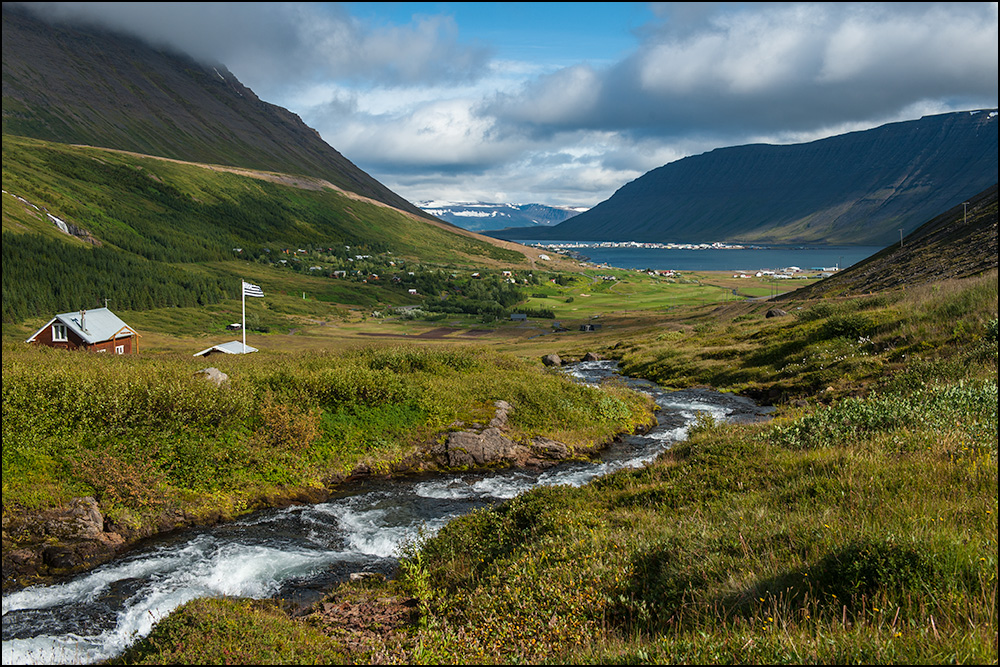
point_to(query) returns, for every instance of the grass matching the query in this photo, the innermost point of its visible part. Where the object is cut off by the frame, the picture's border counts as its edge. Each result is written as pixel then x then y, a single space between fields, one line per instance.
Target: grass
pixel 842 345
pixel 232 633
pixel 858 526
pixel 147 437
pixel 732 548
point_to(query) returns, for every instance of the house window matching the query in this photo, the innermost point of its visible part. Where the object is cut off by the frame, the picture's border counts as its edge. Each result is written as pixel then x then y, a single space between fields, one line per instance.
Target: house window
pixel 59 333
pixel 119 349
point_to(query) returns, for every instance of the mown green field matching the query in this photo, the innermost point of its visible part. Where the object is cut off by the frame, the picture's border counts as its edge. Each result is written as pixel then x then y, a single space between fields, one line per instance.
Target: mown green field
pixel 859 526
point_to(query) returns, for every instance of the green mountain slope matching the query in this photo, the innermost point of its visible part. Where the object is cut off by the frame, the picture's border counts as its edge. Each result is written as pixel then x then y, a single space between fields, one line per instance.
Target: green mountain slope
pixel 858 188
pixel 82 224
pixel 143 177
pixel 83 85
pixel 959 243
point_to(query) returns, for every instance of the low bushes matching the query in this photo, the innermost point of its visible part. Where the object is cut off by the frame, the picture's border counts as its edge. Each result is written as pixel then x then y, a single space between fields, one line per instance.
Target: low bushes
pixel 141 432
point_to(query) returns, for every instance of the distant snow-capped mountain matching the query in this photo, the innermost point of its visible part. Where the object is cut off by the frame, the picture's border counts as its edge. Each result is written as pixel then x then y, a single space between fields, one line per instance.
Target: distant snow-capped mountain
pixel 479 216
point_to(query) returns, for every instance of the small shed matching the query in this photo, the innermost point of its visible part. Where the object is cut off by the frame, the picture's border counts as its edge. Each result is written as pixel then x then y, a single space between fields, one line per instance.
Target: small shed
pixel 97 330
pixel 518 317
pixel 232 347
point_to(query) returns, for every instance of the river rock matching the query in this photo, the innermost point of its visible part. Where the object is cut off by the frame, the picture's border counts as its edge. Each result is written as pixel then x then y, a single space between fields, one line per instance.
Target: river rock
pixel 500 418
pixel 213 375
pixel 82 520
pixel 552 360
pixel 544 448
pixel 590 356
pixel 468 449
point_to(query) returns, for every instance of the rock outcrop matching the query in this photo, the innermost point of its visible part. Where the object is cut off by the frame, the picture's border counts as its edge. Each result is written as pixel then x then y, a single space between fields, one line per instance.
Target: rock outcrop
pixel 62 540
pixel 491 446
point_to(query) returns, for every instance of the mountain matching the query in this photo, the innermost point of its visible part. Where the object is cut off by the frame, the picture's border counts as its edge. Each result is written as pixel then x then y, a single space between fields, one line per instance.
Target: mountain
pixel 139 176
pixel 480 216
pixel 84 85
pixel 960 242
pixel 858 188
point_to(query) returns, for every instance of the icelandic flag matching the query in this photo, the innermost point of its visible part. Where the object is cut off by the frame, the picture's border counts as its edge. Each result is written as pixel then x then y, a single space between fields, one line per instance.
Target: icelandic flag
pixel 249 289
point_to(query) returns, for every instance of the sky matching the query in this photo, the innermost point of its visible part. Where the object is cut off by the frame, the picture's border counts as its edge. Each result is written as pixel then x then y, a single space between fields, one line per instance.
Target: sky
pixel 563 103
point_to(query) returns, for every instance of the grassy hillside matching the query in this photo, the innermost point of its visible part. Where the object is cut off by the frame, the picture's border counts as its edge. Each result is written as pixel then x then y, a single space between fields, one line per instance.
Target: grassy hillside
pixel 153 441
pixel 147 232
pixel 858 526
pixel 960 242
pixel 83 85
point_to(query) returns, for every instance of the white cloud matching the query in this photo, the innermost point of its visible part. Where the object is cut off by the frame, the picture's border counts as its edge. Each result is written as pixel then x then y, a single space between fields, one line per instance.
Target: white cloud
pixel 434 116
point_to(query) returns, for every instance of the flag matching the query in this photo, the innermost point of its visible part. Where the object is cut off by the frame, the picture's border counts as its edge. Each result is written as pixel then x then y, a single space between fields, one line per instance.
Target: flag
pixel 249 289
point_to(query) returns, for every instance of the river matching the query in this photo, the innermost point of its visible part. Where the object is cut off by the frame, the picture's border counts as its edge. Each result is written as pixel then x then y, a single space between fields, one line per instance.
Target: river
pixel 298 552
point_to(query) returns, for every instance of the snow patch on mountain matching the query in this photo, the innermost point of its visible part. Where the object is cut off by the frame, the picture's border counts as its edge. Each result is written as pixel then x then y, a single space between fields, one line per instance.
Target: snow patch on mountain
pixel 485 216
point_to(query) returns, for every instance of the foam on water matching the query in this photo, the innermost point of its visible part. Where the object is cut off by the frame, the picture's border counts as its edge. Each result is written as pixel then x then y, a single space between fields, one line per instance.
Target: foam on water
pixel 203 568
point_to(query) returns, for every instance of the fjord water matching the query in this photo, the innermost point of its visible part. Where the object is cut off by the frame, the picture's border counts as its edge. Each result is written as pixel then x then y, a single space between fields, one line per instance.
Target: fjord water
pixel 295 553
pixel 719 259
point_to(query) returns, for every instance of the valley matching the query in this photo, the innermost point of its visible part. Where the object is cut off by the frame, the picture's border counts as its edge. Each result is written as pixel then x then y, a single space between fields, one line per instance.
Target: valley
pixel 446 447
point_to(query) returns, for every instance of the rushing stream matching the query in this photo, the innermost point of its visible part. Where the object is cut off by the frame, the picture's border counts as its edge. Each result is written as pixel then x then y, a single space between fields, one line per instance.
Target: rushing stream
pixel 295 553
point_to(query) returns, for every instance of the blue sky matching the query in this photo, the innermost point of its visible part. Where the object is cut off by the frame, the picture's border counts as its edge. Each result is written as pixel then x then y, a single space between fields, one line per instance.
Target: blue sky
pixel 563 103
pixel 542 32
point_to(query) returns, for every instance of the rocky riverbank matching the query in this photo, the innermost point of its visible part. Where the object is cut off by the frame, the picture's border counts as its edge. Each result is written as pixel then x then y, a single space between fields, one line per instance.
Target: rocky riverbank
pixel 41 546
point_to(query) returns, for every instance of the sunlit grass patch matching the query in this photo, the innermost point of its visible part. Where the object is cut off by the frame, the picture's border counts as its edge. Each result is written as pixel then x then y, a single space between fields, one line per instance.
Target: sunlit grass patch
pixel 878 543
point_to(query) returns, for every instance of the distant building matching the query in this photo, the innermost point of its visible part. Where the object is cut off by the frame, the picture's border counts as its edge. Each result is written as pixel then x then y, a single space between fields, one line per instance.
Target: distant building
pixel 518 317
pixel 97 330
pixel 232 347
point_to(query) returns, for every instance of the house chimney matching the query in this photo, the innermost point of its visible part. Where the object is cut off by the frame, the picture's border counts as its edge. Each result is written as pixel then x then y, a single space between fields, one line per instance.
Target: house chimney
pixel 83 324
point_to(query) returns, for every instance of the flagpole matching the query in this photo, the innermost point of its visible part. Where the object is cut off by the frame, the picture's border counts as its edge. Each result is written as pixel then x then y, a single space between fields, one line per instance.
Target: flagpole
pixel 243 293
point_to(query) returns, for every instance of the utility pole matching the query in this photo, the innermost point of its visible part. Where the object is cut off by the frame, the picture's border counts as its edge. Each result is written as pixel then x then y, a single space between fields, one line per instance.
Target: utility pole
pixel 965 205
pixel 900 238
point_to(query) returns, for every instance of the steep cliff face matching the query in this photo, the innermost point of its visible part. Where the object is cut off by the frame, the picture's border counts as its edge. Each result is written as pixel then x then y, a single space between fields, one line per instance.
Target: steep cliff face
pixel 858 188
pixel 83 85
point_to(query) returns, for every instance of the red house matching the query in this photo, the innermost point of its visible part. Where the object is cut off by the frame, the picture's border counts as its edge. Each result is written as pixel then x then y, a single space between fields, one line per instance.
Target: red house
pixel 97 330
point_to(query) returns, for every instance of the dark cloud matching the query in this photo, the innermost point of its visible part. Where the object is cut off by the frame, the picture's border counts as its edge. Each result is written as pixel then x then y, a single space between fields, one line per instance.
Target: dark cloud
pixel 274 45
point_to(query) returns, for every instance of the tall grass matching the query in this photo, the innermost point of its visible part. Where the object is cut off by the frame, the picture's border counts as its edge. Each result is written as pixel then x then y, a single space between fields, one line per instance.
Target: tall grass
pixel 145 434
pixel 739 546
pixel 845 345
pixel 859 526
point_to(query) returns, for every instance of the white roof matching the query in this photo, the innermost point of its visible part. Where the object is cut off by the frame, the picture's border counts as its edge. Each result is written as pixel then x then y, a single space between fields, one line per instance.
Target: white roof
pixel 232 347
pixel 93 326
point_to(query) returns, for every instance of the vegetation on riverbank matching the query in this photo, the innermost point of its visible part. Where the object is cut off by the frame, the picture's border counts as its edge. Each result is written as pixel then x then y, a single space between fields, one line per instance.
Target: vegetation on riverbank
pixel 858 526
pixel 148 438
